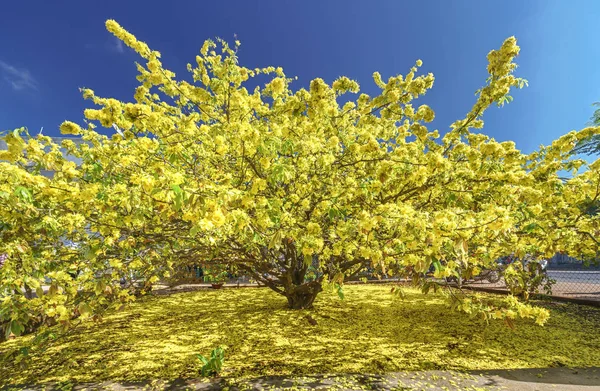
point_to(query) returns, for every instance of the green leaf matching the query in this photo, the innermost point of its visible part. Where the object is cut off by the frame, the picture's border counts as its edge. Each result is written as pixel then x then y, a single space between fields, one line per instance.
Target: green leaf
pixel 179 195
pixel 426 287
pixel 16 328
pixel 332 213
pixel 176 189
pixel 23 193
pixel 335 213
pixel 88 254
pixel 84 308
pixel 173 158
pixel 202 358
pixel 340 291
pixel 399 292
pixel 275 240
pixel 191 200
pixel 437 265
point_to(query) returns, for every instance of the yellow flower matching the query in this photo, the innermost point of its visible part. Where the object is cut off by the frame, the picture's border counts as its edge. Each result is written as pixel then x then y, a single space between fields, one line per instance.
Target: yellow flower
pixel 69 127
pixel 313 228
pixel 277 85
pixel 218 218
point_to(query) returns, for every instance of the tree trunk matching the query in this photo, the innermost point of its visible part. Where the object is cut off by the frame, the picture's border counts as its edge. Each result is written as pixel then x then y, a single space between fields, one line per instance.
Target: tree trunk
pixel 28 292
pixel 302 296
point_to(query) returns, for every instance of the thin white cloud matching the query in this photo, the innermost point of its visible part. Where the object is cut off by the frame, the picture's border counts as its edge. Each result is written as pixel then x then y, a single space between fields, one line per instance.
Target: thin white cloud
pixel 113 45
pixel 118 45
pixel 18 78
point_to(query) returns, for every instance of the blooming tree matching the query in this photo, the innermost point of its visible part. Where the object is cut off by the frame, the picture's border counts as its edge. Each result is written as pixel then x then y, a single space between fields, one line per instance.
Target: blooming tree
pixel 274 181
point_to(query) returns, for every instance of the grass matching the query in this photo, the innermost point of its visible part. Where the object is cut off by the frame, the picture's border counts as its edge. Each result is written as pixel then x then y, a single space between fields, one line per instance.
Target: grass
pixel 369 332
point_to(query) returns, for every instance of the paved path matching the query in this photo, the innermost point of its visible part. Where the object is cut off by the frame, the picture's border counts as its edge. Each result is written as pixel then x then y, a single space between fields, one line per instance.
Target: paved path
pixel 507 380
pixel 584 276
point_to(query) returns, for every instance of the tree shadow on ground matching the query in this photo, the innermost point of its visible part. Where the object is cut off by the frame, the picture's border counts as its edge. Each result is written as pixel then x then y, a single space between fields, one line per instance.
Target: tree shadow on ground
pixel 515 379
pixel 556 376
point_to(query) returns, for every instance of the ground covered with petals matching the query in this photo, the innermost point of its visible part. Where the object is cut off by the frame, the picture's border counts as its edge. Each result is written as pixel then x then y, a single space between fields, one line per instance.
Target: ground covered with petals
pixel 370 331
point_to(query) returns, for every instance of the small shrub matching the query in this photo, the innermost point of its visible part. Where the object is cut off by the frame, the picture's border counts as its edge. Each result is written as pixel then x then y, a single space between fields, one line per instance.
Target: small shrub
pixel 526 278
pixel 212 366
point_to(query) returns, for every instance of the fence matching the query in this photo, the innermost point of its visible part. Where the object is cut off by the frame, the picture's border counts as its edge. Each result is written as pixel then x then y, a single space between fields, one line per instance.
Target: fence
pixel 573 279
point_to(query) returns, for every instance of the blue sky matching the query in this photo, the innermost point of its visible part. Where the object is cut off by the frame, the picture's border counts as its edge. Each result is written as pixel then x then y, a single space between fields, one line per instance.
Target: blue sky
pixel 50 49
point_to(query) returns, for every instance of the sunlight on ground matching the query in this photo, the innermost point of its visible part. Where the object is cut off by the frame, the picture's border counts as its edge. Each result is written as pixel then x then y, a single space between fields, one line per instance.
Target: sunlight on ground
pixel 368 332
